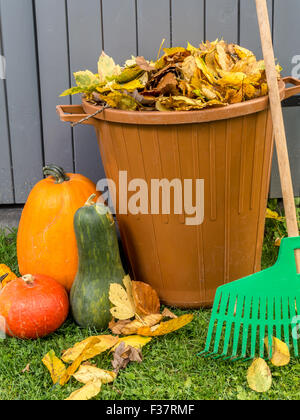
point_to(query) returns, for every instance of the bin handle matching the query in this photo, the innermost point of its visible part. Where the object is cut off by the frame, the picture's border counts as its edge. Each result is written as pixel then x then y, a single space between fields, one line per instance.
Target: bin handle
pixel 73 114
pixel 292 90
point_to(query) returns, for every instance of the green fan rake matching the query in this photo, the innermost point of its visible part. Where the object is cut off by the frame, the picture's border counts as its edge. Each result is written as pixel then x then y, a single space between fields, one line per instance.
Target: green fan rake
pixel 265 304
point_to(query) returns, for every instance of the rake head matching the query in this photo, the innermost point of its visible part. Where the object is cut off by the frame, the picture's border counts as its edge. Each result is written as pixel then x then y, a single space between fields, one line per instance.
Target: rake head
pixel 265 304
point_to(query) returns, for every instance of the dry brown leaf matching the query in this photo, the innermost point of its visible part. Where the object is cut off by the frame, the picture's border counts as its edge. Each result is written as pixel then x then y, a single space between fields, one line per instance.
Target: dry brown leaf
pixel 124 355
pixel 166 327
pixel 166 313
pixel 88 391
pixel 26 369
pixel 117 326
pixel 102 343
pixel 280 352
pixel 55 366
pixel 144 64
pixel 259 376
pixel 88 374
pixel 147 321
pixel 145 298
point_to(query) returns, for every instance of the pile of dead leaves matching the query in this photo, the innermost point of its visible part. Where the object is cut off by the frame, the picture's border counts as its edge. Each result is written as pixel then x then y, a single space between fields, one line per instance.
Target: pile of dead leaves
pixel 213 74
pixel 137 317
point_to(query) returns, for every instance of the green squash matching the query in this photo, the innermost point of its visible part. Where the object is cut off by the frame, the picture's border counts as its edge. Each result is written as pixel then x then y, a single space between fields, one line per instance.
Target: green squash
pixel 99 265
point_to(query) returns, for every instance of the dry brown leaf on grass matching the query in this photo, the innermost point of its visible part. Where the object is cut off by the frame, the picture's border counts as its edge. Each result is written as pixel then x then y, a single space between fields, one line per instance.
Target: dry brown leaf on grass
pixel 280 352
pixel 116 326
pixel 125 354
pixel 166 327
pixel 55 366
pixel 101 344
pixel 26 369
pixel 259 376
pixel 145 298
pixel 128 327
pixel 88 391
pixel 88 373
pixel 166 313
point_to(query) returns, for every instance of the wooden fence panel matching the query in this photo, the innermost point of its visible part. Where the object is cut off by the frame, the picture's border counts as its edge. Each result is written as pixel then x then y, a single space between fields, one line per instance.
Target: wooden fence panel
pixel 187 22
pixel 53 54
pixel 222 20
pixel 6 184
pixel 85 40
pixel 22 94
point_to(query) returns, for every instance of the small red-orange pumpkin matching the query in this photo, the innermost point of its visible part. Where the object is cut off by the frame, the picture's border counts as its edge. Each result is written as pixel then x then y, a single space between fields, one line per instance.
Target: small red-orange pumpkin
pixel 33 306
pixel 46 238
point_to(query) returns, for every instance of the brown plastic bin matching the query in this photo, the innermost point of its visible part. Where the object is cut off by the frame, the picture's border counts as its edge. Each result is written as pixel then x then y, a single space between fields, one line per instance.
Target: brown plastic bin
pixel 231 149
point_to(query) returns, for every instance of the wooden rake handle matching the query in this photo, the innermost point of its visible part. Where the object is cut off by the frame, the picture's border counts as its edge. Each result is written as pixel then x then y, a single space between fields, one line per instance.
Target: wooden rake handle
pixel 278 123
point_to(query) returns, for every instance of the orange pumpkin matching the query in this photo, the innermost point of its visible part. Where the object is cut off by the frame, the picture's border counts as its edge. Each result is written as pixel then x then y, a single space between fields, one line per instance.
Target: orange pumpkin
pixel 46 242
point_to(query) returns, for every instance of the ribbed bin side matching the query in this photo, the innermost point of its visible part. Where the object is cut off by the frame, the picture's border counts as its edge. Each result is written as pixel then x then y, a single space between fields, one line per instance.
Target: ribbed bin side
pixel 186 264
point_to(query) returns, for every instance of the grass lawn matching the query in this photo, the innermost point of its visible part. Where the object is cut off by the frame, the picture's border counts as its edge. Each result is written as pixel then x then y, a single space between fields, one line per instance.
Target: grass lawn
pixel 170 370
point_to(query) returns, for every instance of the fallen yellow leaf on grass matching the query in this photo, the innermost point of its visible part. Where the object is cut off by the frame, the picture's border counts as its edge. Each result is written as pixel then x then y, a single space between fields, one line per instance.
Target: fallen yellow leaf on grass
pixel 55 366
pixel 280 352
pixel 87 374
pixel 135 341
pixel 102 343
pixel 166 327
pixel 77 362
pixel 124 307
pixel 87 392
pixel 259 376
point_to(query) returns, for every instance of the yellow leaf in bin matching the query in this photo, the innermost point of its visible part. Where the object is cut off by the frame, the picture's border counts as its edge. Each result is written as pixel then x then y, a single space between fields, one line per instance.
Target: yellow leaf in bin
pixel 130 86
pixel 107 68
pixel 259 376
pixel 202 66
pixel 231 79
pixel 120 100
pixel 280 352
pixel 135 341
pixel 242 52
pixel 87 374
pixel 174 50
pixel 55 366
pixel 101 344
pixel 166 327
pixel 88 391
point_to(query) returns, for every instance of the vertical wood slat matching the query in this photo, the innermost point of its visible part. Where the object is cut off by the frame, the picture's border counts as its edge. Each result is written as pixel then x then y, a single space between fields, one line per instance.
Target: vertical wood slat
pixel 85 46
pixel 249 30
pixel 286 44
pixel 53 54
pixel 22 94
pixel 119 29
pixel 6 184
pixel 187 22
pixel 153 26
pixel 222 20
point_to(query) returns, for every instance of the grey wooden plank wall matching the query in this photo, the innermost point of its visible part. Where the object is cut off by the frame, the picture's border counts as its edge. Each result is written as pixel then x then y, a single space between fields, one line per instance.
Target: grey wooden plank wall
pixel 45 41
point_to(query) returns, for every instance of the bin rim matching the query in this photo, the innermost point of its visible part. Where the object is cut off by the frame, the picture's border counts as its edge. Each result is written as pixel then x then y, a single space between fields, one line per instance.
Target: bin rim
pixel 182 117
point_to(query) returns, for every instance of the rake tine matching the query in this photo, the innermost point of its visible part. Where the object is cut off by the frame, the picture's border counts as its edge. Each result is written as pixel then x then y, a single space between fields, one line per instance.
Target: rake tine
pixel 223 307
pixel 270 326
pixel 286 321
pixel 263 316
pixel 238 316
pixel 278 318
pixel 295 304
pixel 247 310
pixel 212 322
pixel 229 323
pixel 254 319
